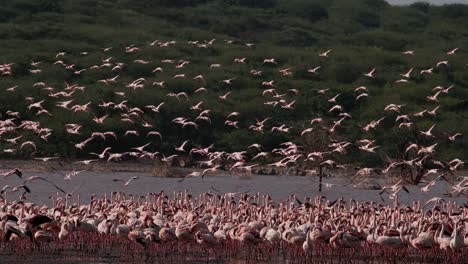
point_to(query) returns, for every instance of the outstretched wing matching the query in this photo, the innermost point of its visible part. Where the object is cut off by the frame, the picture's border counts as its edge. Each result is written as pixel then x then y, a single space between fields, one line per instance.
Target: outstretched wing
pixel 55 185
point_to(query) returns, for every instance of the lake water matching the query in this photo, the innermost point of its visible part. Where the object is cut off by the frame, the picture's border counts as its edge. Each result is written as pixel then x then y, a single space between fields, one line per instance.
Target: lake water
pixel 279 187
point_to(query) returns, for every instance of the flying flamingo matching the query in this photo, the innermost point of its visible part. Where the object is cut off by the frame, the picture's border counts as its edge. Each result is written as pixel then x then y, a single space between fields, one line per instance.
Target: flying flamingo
pixel 181 147
pixel 370 74
pixel 126 183
pixel 324 54
pixel 428 133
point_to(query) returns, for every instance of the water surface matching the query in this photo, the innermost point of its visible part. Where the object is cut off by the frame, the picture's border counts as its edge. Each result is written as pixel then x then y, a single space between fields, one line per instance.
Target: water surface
pixel 279 187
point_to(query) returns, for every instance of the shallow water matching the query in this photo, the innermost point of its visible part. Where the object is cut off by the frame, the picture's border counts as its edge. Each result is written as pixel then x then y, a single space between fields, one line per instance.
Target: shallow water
pixel 279 187
pixel 76 250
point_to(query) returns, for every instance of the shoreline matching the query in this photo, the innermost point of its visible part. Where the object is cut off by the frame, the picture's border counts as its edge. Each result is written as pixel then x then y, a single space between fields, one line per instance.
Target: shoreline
pixel 177 169
pixel 154 169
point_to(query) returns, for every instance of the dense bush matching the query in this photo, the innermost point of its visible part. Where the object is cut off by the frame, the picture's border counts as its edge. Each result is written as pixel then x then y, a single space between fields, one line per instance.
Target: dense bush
pixel 309 10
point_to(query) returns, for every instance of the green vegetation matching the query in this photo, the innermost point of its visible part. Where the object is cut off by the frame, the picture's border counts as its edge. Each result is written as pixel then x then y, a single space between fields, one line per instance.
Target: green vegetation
pixel 362 34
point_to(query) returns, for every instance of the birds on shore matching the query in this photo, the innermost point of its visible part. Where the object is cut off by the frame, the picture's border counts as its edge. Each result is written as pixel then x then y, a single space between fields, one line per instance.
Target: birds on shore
pixel 228 221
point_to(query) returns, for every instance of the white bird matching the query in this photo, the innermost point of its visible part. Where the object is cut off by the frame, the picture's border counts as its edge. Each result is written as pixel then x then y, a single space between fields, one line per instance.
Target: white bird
pixel 433 97
pixel 407 74
pixel 160 84
pixel 433 111
pixel 452 52
pixel 314 70
pixel 305 131
pixel 408 52
pixel 28 143
pixel 361 96
pixel 429 149
pixel 126 183
pixel 325 54
pixel 428 133
pixel 426 71
pixel 73 173
pixel 361 88
pixel 228 81
pixel 370 74
pixel 431 183
pixel 224 97
pixel 85 162
pixel 45 159
pixel 442 63
pixel 336 107
pixel 410 147
pixel 420 114
pixel 181 148
pixel 201 89
pixel 12 89
pixel 271 61
pixel 316 120
pixel 103 154
pixel 240 60
pixel 193 174
pixel 454 136
pixel 333 99
pixel 141 148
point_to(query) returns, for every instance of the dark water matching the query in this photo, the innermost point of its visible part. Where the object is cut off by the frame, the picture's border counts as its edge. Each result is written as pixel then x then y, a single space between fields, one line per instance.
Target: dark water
pixel 279 187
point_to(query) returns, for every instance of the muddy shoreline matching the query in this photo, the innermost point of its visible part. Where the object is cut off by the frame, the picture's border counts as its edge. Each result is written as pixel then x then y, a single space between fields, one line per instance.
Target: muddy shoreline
pixel 179 168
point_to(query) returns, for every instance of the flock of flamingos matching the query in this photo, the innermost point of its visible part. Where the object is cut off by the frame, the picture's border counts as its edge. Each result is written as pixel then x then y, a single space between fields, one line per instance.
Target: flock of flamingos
pixel 231 225
pixel 234 224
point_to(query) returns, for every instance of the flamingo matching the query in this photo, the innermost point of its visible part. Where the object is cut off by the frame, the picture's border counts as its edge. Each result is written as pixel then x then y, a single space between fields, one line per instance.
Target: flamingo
pixel 314 70
pixel 407 74
pixel 126 182
pixel 224 97
pixel 408 52
pixel 324 54
pixel 181 147
pixel 452 52
pixel 428 133
pixel 370 74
